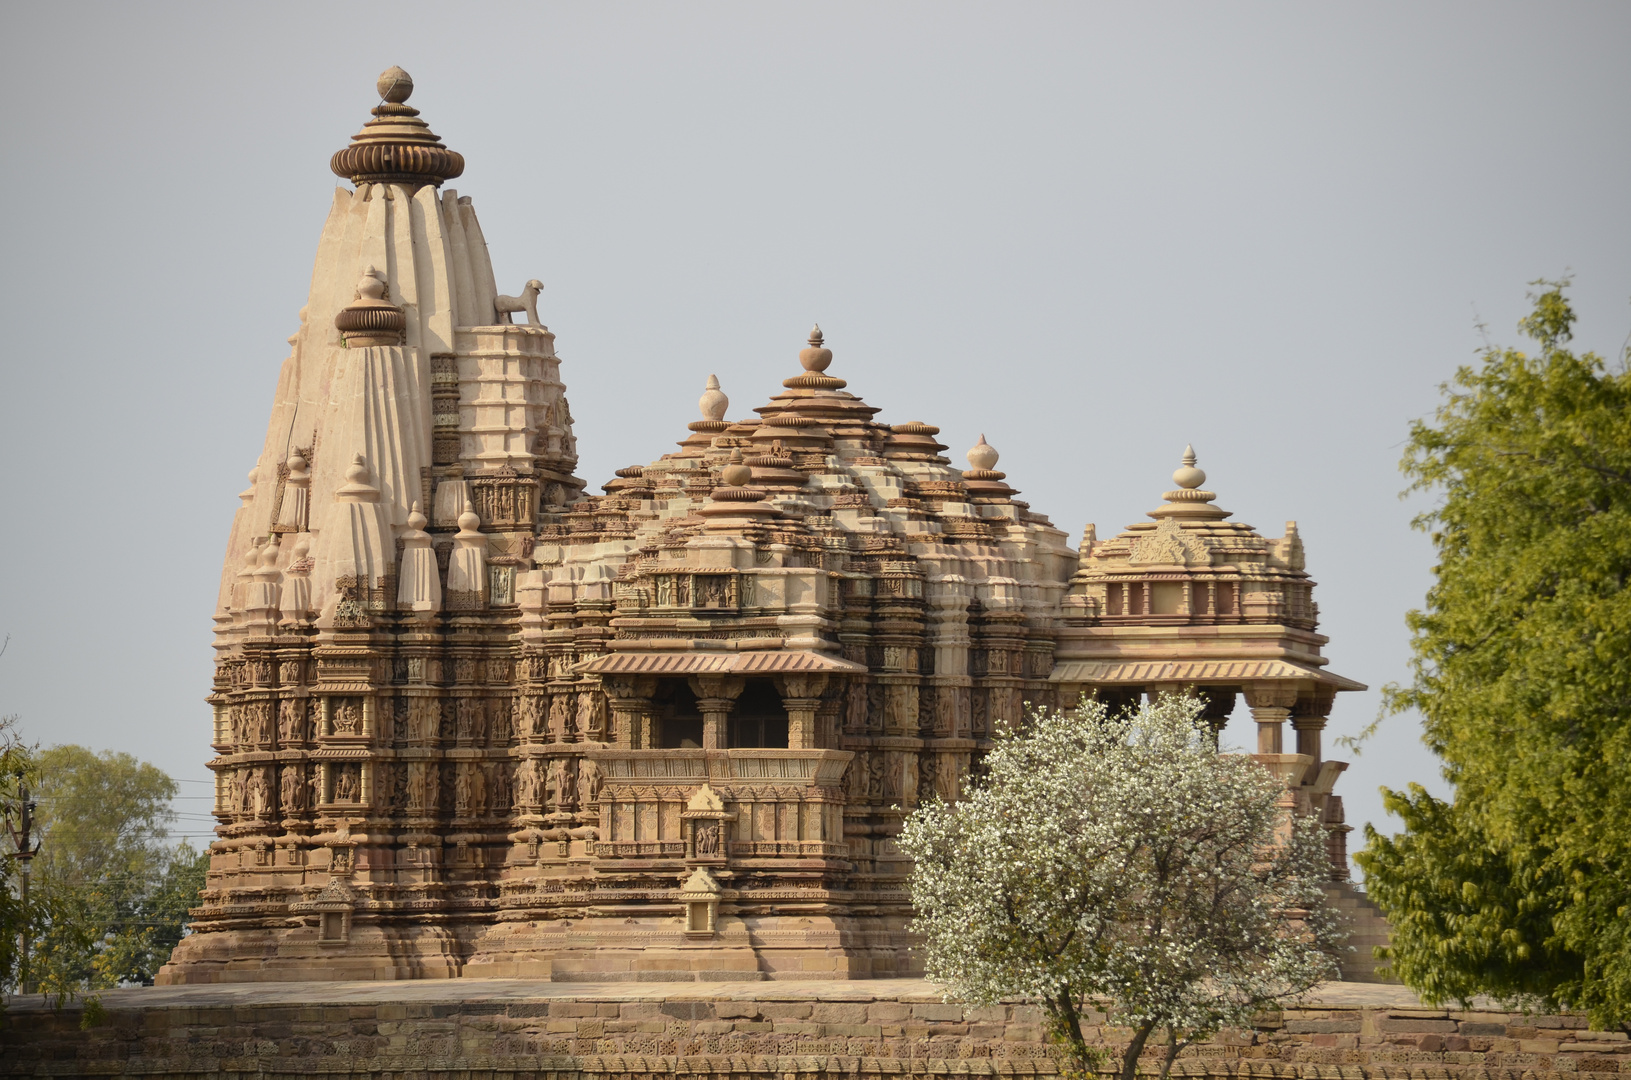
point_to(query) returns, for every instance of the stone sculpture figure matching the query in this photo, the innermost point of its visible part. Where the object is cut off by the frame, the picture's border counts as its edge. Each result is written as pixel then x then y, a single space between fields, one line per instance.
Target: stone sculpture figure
pixel 291 790
pixel 526 784
pixel 501 786
pixel 560 706
pixel 257 797
pixel 566 771
pixel 346 783
pixel 505 306
pixel 291 721
pixel 707 839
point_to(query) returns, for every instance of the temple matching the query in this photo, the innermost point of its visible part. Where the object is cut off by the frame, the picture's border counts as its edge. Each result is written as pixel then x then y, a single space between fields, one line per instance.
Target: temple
pixel 472 720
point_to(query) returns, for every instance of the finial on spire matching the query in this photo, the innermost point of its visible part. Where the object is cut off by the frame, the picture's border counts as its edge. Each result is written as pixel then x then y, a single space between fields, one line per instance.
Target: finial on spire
pixel 736 473
pixel 816 357
pixel 1188 476
pixel 356 487
pixel 1189 502
pixel 394 85
pixel 396 147
pixel 713 402
pixel 983 456
pixel 416 518
pixel 371 319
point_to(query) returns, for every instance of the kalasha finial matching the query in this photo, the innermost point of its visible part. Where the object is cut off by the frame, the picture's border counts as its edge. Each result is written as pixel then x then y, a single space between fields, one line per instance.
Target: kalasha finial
pixel 815 358
pixel 983 456
pixel 396 147
pixel 737 473
pixel 371 319
pixel 394 85
pixel 713 402
pixel 1189 476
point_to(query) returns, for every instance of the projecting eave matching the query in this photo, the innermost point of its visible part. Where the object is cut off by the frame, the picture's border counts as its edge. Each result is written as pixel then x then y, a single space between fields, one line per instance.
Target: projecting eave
pixel 690 662
pixel 1201 672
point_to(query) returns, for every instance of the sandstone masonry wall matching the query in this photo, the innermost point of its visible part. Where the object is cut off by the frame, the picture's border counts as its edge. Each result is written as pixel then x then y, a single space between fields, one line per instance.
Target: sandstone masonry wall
pixel 890 1028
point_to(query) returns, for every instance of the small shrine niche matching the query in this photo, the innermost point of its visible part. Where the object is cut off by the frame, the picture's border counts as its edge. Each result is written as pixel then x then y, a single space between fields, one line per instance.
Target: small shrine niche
pixel 705 819
pixel 700 896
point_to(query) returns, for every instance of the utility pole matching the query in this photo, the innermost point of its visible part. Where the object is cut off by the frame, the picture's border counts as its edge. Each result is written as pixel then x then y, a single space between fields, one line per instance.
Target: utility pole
pixel 26 847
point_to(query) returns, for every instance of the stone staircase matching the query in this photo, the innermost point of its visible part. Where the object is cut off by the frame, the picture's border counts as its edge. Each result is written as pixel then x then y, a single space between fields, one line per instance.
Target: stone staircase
pixel 1367 928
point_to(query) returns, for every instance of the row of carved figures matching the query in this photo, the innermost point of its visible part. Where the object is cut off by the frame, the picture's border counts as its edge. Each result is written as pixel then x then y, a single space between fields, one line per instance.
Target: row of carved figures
pixel 477 787
pixel 465 720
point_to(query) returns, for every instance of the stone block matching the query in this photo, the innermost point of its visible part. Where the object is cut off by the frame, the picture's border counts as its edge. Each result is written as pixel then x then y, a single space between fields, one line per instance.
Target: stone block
pixel 1482 1029
pixel 1422 1026
pixel 952 1013
pixel 839 1012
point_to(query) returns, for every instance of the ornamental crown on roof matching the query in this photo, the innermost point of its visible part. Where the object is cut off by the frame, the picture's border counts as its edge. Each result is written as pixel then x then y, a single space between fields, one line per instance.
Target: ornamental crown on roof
pixel 471 719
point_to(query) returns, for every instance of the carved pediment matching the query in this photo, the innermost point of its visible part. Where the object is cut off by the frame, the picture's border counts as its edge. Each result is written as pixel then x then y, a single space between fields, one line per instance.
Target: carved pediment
pixel 1169 545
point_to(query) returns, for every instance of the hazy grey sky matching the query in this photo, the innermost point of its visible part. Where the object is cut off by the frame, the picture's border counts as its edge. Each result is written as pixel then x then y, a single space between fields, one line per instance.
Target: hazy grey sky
pixel 1092 232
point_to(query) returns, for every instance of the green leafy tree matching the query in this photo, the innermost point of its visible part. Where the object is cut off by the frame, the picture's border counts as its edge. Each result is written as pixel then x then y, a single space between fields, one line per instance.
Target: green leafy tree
pixel 113 890
pixel 1122 859
pixel 1520 886
pixel 16 767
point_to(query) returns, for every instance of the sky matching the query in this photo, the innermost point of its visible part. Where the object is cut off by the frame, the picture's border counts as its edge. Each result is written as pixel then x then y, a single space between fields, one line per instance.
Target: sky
pixel 1092 232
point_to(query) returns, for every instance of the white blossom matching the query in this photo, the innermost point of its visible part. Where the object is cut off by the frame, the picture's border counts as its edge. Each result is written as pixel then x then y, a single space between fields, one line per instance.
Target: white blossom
pixel 1123 859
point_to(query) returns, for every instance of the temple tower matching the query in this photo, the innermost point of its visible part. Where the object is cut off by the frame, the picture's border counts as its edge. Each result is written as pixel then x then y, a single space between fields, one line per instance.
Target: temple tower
pixel 471 720
pixel 364 629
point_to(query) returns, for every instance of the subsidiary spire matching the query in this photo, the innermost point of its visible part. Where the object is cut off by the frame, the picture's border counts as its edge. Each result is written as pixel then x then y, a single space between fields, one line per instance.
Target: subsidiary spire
pixel 396 147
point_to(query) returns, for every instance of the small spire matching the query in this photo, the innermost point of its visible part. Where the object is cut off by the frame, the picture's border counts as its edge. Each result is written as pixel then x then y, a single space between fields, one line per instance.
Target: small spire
pixel 357 488
pixel 815 335
pixel 469 522
pixel 416 519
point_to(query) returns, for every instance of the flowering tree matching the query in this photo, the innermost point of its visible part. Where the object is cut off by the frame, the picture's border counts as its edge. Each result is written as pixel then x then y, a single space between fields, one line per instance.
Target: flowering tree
pixel 1122 858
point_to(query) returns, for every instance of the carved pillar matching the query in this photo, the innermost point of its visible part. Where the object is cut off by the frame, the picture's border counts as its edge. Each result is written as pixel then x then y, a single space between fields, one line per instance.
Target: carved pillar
pixel 715 696
pixel 1271 706
pixel 801 696
pixel 1310 721
pixel 630 701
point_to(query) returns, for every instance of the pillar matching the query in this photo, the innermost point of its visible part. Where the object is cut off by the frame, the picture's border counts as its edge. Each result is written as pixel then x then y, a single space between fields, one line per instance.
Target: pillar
pixel 1271 706
pixel 801 697
pixel 715 696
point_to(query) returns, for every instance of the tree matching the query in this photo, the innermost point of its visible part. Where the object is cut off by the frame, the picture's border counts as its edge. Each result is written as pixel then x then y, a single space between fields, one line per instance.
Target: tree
pixel 1122 858
pixel 1520 885
pixel 112 891
pixel 16 768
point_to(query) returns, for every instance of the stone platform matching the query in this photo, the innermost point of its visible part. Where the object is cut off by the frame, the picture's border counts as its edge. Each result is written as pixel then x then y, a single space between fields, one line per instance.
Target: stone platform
pixel 511 1029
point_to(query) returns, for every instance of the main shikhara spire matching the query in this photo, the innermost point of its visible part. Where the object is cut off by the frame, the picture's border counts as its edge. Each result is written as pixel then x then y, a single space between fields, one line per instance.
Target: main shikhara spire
pixel 469 719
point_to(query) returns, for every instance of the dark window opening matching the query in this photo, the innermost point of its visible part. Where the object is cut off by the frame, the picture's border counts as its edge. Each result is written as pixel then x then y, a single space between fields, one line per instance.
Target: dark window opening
pixel 758 719
pixel 679 721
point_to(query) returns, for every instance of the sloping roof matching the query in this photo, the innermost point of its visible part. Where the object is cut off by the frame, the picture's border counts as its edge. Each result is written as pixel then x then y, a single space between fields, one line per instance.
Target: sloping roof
pixel 688 662
pixel 1193 671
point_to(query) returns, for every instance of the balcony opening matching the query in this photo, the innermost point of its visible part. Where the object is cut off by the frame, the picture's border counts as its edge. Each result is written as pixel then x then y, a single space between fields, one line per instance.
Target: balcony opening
pixel 679 721
pixel 758 720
